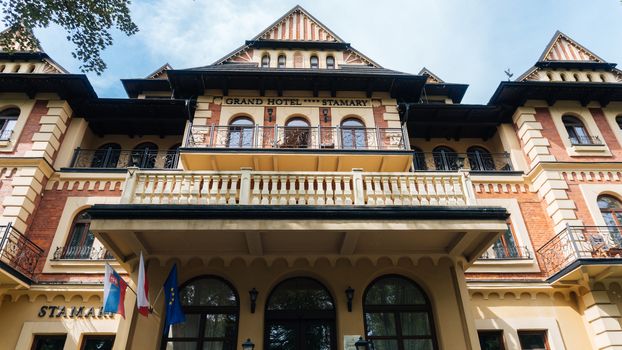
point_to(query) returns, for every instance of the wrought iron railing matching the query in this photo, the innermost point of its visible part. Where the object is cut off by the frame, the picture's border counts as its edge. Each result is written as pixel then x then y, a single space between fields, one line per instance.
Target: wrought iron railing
pixel 284 137
pixel 585 140
pixel 111 158
pixel 18 252
pixel 82 253
pixel 507 253
pixel 449 161
pixel 580 242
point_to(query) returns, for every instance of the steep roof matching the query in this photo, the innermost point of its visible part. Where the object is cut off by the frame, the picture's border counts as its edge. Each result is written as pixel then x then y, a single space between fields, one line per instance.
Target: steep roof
pixel 18 52
pixel 563 48
pixel 296 28
pixel 432 78
pixel 160 73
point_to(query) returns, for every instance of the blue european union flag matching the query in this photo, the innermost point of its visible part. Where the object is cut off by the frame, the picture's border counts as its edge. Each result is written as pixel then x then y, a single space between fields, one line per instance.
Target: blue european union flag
pixel 174 313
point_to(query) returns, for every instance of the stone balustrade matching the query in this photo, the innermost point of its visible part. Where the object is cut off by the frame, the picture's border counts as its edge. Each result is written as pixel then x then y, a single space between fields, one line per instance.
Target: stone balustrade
pixel 248 187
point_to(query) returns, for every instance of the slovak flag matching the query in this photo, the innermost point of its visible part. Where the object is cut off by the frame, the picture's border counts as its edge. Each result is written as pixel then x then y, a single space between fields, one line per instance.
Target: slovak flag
pixel 143 289
pixel 114 292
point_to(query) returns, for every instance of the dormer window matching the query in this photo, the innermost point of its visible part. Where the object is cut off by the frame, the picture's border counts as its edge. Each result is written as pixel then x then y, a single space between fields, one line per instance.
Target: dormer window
pixel 265 61
pixel 281 61
pixel 577 132
pixel 315 63
pixel 330 62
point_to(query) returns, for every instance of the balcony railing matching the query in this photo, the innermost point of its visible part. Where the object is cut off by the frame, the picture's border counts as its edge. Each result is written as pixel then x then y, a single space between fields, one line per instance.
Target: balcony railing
pixel 297 188
pixel 580 242
pixel 18 252
pixel 285 137
pixel 585 140
pixel 82 253
pixel 119 159
pixel 448 161
pixel 507 253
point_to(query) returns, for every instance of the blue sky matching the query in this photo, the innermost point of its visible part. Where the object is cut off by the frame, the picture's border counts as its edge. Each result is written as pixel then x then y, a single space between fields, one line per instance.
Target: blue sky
pixel 462 41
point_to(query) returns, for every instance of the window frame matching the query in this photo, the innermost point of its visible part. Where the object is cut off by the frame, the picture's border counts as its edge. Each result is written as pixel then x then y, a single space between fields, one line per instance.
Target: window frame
pixel 445 158
pixel 396 310
pixel 543 332
pixel 39 337
pixel 477 155
pixel 265 61
pixel 283 63
pixel 578 133
pixel 355 135
pixel 314 62
pixel 148 152
pixel 498 332
pixel 79 219
pixel 88 337
pixel 245 138
pixel 332 64
pixel 8 115
pixel 202 311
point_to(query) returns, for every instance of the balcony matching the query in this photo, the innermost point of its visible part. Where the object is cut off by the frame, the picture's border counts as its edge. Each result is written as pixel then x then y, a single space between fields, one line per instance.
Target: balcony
pixel 595 248
pixel 82 253
pixel 281 148
pixel 507 253
pixel 585 140
pixel 18 257
pixel 110 159
pixel 249 187
pixel 474 162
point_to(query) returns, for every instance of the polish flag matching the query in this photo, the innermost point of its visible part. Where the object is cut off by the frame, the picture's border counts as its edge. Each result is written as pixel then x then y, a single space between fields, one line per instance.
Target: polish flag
pixel 143 289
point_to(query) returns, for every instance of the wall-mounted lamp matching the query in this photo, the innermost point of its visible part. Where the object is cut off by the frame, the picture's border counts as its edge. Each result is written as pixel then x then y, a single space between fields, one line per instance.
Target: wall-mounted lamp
pixel 349 296
pixel 253 294
pixel 361 344
pixel 136 158
pixel 270 111
pixel 249 345
pixel 325 114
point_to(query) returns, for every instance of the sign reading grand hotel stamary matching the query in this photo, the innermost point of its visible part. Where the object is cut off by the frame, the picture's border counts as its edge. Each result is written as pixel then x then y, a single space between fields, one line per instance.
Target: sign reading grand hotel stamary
pixel 296 101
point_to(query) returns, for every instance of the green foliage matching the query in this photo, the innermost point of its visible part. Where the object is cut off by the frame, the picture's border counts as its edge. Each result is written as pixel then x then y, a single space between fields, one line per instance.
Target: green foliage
pixel 88 24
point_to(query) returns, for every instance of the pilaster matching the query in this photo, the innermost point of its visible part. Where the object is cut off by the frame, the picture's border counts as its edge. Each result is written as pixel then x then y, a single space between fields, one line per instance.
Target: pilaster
pixel 603 317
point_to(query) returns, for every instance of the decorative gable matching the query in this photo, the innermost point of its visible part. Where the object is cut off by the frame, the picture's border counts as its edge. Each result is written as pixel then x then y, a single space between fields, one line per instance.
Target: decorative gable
pixel 298 25
pixel 160 73
pixel 563 48
pixel 432 78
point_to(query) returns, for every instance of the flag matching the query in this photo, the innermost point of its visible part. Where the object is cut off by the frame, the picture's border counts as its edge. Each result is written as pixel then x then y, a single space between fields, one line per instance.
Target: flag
pixel 174 313
pixel 143 289
pixel 114 292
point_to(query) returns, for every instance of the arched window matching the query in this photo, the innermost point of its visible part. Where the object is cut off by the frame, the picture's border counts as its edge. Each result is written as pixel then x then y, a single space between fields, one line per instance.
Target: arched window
pixel 106 156
pixel 575 76
pixel 265 61
pixel 330 62
pixel 145 155
pixel 8 119
pixel 80 242
pixel 297 133
pixel 172 157
pixel 419 159
pixel 445 159
pixel 241 130
pixel 282 61
pixel 315 62
pixel 212 308
pixel 611 210
pixel 398 315
pixel 576 131
pixel 353 134
pixel 480 159
pixel 300 314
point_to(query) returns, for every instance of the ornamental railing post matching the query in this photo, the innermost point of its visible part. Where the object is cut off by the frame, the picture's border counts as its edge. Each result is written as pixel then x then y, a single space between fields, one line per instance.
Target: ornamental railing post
pixel 359 191
pixel 130 185
pixel 275 136
pixel 245 186
pixel 467 187
pixel 211 135
pixel 405 138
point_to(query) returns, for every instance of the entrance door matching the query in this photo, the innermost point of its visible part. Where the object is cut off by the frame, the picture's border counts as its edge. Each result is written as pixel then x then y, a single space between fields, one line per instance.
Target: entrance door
pixel 300 314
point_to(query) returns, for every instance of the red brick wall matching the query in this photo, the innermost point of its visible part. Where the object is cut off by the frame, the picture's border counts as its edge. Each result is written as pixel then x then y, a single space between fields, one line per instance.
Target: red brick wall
pixel 379 117
pixel 44 221
pixel 24 143
pixel 215 109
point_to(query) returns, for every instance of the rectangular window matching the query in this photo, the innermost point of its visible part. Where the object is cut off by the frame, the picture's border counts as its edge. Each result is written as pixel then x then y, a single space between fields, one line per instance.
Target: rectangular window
pixel 97 342
pixel 49 342
pixel 7 124
pixel 491 340
pixel 533 340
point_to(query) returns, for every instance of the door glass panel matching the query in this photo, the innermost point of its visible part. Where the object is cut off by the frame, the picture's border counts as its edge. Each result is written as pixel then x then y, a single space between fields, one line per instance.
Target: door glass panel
pixel 380 324
pixel 532 340
pixel 385 344
pixel 282 336
pixel 418 344
pixel 178 345
pixel 98 342
pixel 219 325
pixel 317 336
pixel 415 323
pixel 188 329
pixel 51 342
pixel 213 345
pixel 491 340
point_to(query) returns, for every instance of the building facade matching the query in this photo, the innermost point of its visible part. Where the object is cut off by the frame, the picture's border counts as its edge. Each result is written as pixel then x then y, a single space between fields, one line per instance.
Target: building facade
pixel 310 197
